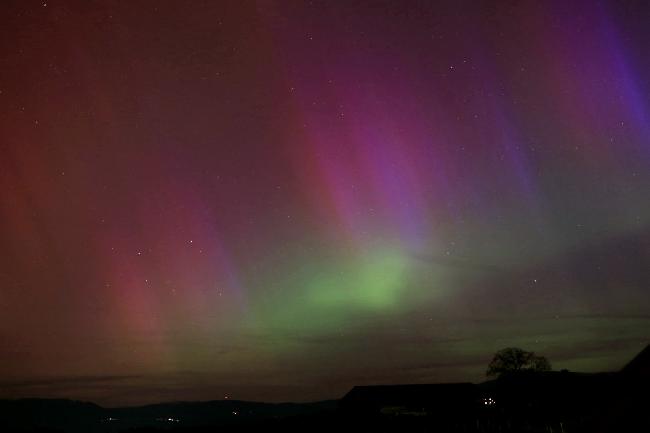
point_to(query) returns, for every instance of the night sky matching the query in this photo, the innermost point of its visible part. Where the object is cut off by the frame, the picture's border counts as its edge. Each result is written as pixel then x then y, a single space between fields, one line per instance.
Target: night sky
pixel 278 200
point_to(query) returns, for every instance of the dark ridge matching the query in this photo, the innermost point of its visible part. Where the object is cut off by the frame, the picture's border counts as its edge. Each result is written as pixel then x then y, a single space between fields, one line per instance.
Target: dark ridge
pixel 516 402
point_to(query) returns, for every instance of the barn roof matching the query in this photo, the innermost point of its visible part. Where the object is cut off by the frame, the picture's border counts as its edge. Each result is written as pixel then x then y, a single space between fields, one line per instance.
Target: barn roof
pixel 639 365
pixel 419 394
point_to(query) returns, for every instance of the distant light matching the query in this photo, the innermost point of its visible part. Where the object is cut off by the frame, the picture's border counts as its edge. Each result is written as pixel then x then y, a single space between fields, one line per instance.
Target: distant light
pixel 234 412
pixel 489 401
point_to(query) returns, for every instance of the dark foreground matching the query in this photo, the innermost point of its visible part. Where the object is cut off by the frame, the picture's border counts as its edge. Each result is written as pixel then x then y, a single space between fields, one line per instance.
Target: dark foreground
pixel 519 402
pixel 508 408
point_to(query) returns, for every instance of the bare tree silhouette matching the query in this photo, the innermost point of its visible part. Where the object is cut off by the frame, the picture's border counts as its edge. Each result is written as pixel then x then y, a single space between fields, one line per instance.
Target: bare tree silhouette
pixel 516 359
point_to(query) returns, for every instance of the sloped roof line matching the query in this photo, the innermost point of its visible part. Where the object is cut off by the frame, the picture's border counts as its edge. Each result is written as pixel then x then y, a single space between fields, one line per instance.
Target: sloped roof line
pixel 640 364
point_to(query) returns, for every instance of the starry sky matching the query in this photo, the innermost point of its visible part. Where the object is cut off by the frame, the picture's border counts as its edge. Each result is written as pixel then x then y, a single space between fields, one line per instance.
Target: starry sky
pixel 278 200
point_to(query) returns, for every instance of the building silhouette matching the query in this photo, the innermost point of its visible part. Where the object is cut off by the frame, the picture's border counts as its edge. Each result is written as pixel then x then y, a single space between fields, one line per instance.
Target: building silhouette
pixel 550 401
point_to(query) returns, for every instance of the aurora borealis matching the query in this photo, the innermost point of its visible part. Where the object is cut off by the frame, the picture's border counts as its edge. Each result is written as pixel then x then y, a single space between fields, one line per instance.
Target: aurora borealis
pixel 278 200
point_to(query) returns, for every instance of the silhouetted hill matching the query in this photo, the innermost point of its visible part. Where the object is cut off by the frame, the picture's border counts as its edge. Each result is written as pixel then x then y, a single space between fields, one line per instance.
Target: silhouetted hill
pixel 516 402
pixel 33 413
pixel 75 416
